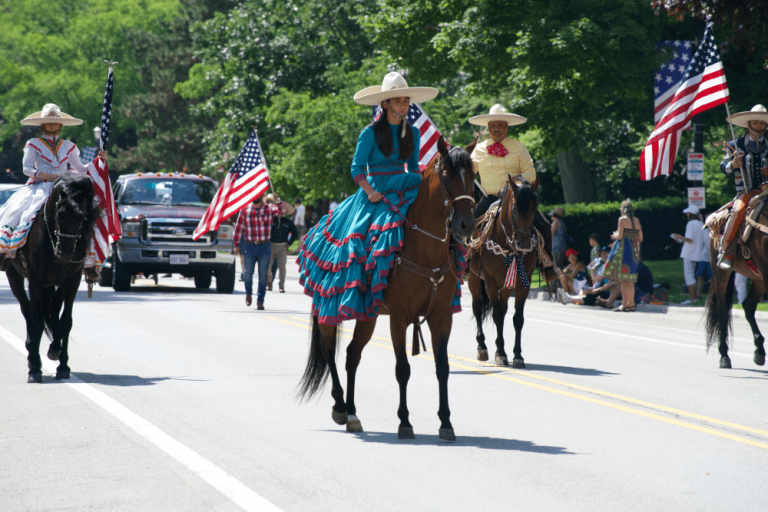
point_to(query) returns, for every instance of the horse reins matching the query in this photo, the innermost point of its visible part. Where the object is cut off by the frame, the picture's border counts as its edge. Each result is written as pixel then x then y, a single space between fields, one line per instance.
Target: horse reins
pixel 60 235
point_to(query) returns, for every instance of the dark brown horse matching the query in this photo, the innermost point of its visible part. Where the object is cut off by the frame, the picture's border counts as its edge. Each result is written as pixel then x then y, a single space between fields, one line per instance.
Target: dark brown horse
pixel 52 259
pixel 423 285
pixel 720 299
pixel 511 235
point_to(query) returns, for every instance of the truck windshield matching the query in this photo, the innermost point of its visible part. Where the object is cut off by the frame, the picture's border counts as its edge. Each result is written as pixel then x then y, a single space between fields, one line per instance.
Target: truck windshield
pixel 170 192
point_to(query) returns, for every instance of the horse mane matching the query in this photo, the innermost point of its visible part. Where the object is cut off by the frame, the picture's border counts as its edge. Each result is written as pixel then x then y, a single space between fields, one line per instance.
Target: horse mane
pixel 525 196
pixel 80 193
pixel 458 158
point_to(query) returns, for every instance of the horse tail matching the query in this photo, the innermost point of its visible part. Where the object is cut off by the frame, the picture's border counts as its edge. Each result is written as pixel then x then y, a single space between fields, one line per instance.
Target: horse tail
pixel 717 312
pixel 485 303
pixel 317 370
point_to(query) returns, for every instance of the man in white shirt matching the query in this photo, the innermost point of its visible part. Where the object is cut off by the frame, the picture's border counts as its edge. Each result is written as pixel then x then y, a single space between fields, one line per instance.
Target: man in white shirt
pixel 298 219
pixel 691 250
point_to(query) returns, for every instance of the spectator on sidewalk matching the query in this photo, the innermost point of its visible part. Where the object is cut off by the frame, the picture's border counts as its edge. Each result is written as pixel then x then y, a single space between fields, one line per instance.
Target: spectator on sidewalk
pixel 574 277
pixel 703 267
pixel 644 284
pixel 596 267
pixel 690 251
pixel 299 218
pixel 333 205
pixel 559 236
pixel 740 283
pixel 284 232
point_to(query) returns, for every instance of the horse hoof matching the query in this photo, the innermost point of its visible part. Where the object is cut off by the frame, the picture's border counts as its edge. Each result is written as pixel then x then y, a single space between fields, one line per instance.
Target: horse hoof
pixel 405 433
pixel 502 360
pixel 53 355
pixel 446 434
pixel 759 359
pixel 518 363
pixel 725 362
pixel 354 425
pixel 339 417
pixel 35 378
pixel 482 354
pixel 62 374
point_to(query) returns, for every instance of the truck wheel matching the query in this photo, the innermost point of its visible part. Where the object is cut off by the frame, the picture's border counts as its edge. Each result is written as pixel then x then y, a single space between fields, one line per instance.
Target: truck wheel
pixel 121 276
pixel 225 280
pixel 203 281
pixel 106 276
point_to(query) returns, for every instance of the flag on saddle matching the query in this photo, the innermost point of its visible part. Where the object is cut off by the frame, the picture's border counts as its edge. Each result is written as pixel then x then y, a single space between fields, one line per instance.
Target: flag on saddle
pixel 108 225
pixel 702 87
pixel 429 133
pixel 246 180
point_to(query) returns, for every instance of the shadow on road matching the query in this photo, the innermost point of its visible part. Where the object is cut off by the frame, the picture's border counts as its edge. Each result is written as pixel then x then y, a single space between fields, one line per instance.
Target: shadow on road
pixel 590 372
pixel 761 374
pixel 125 380
pixel 488 443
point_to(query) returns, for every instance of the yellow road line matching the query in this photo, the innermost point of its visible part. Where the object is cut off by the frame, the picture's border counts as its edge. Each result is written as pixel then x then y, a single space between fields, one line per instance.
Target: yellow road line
pixel 587 398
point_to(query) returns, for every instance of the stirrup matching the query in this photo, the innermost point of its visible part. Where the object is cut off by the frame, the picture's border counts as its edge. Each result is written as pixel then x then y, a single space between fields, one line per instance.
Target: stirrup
pixel 92 275
pixel 724 263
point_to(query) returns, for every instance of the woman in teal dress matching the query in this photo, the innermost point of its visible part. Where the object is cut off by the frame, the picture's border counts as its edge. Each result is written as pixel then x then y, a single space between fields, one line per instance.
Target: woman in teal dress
pixel 346 258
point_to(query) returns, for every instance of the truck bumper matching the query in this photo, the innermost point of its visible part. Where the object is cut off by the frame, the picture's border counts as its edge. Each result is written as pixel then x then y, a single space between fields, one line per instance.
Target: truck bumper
pixel 146 258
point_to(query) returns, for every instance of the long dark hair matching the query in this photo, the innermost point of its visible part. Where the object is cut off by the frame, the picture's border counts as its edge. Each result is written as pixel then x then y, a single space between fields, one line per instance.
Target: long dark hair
pixel 383 134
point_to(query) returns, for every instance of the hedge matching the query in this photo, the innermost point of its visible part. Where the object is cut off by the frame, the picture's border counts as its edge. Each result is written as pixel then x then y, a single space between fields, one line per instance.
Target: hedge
pixel 659 217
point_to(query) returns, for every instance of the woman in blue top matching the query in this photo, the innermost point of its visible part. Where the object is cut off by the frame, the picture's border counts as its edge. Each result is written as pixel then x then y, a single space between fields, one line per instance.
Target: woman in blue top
pixel 345 260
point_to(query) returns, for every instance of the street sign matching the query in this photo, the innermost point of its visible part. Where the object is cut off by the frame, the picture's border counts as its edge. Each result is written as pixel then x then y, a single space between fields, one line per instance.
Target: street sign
pixel 695 167
pixel 696 196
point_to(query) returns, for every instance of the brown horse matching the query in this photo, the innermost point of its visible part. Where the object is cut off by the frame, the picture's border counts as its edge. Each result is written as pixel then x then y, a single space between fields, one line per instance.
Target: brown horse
pixel 720 299
pixel 422 284
pixel 52 259
pixel 510 234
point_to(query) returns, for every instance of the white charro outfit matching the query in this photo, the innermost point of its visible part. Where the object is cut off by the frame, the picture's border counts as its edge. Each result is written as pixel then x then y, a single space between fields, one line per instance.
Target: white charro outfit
pixel 46 154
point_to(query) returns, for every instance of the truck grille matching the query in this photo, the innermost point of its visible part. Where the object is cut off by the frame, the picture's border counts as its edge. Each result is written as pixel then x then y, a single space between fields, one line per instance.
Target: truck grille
pixel 173 231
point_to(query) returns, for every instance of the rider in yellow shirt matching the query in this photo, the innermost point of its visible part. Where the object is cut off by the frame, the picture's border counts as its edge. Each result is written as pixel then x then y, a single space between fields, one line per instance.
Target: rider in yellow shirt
pixel 499 157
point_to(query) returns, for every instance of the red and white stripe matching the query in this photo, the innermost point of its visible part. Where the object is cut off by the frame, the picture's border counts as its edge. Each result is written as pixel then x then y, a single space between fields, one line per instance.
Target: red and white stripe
pixel 695 95
pixel 107 228
pixel 429 136
pixel 511 280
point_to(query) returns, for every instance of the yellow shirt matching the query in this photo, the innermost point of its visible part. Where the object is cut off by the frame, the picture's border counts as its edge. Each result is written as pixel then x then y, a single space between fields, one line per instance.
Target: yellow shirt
pixel 493 170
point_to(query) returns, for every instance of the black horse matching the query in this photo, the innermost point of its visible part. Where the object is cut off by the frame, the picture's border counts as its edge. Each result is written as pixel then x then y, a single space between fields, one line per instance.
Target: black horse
pixel 53 259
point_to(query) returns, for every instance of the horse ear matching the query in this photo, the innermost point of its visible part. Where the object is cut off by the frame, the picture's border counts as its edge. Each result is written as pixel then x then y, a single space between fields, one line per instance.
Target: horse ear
pixel 535 184
pixel 512 184
pixel 471 147
pixel 442 148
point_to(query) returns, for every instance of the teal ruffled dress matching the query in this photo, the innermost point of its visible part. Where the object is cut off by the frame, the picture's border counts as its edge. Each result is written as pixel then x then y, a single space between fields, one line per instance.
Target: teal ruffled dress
pixel 359 238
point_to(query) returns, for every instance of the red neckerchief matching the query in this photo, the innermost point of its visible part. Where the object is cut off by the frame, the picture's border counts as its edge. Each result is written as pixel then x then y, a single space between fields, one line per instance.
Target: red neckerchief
pixel 498 149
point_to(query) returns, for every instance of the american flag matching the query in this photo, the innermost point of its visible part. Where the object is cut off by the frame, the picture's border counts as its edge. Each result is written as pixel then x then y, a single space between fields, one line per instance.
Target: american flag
pixel 108 225
pixel 515 267
pixel 666 79
pixel 703 87
pixel 429 132
pixel 246 180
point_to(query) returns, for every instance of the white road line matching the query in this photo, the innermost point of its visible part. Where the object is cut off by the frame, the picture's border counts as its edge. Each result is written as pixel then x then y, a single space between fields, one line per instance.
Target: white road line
pixel 614 333
pixel 222 481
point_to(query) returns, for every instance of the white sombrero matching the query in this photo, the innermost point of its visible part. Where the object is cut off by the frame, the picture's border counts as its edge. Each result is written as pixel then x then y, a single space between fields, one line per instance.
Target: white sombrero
pixel 497 113
pixel 50 114
pixel 758 113
pixel 394 86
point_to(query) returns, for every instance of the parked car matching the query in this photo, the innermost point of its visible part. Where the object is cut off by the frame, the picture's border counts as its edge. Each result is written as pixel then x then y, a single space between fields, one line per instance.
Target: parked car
pixel 159 213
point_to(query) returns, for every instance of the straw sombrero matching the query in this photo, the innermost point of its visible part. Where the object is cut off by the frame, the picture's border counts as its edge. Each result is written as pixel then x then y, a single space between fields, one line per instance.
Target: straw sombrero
pixel 394 86
pixel 50 114
pixel 497 113
pixel 758 113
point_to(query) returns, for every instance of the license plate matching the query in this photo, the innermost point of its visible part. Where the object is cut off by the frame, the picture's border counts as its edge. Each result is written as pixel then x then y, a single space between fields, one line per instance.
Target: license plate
pixel 179 259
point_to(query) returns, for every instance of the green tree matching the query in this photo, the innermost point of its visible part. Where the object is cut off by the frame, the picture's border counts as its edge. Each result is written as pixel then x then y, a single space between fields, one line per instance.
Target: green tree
pixel 574 68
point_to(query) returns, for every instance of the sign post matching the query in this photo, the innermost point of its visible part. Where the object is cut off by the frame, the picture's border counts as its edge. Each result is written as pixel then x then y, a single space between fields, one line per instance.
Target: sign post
pixel 695 167
pixel 696 197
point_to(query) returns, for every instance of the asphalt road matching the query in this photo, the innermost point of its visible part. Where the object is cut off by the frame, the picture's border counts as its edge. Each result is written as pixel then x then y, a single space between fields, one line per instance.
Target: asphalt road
pixel 184 400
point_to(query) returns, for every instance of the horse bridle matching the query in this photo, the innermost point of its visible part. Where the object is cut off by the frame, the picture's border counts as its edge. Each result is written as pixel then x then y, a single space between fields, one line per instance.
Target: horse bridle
pixel 512 242
pixel 60 235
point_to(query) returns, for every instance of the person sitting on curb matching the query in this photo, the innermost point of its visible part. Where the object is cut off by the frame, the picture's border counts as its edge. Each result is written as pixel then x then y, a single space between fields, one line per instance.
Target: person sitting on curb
pixel 574 276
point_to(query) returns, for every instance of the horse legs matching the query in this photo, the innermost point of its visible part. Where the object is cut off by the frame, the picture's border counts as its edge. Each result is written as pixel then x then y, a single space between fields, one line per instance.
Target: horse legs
pixel 750 305
pixel 35 328
pixel 500 306
pixel 480 303
pixel 398 328
pixel 519 319
pixel 54 324
pixel 328 335
pixel 16 281
pixel 440 328
pixel 70 291
pixel 718 312
pixel 360 338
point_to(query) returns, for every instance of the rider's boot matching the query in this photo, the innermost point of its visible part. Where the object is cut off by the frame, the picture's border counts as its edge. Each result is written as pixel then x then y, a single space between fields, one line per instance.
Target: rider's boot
pixel 545 228
pixel 92 274
pixel 730 233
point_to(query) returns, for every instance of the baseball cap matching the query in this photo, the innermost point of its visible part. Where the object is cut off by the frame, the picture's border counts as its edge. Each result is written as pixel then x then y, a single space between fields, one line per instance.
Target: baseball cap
pixel 693 209
pixel 605 248
pixel 571 251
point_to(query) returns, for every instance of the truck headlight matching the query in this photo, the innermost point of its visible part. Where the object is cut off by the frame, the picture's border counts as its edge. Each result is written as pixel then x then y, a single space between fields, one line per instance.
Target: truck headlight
pixel 131 229
pixel 225 232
